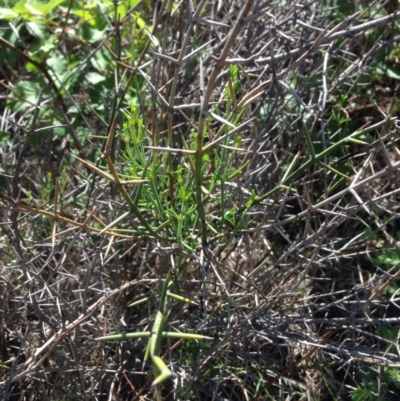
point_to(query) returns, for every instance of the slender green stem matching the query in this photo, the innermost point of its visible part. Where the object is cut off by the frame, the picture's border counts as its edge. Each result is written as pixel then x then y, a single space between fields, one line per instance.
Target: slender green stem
pixel 160 369
pixel 205 100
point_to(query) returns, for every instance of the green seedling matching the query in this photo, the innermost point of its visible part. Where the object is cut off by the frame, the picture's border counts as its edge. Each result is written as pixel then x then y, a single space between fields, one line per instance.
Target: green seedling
pixel 157 333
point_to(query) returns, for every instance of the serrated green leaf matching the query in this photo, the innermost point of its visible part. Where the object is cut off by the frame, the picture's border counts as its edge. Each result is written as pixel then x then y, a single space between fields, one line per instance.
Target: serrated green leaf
pixel 57 62
pixel 361 394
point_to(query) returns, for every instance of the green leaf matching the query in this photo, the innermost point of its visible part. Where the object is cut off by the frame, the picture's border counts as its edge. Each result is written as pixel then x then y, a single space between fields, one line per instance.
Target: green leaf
pixel 4 138
pixel 101 61
pixel 234 173
pixel 384 70
pixel 387 257
pixel 57 62
pixel 392 288
pixel 387 333
pixel 361 394
pixel 392 73
pixel 21 9
pixel 395 376
pixel 49 44
pixel 25 95
pixel 133 3
pixel 96 35
pixel 45 8
pixel 251 199
pixel 139 21
pixel 36 29
pixel 182 193
pixel 233 71
pixel 94 78
pixel 6 13
pixel 85 16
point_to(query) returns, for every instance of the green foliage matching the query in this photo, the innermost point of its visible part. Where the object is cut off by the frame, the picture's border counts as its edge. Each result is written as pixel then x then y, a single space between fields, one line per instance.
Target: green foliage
pixel 370 387
pixel 189 351
pixel 387 257
pixel 75 78
pixel 160 370
pixel 363 394
pixel 174 213
pixel 26 94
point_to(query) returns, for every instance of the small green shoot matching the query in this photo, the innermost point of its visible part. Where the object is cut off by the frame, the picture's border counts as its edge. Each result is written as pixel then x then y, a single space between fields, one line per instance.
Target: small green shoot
pixel 157 334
